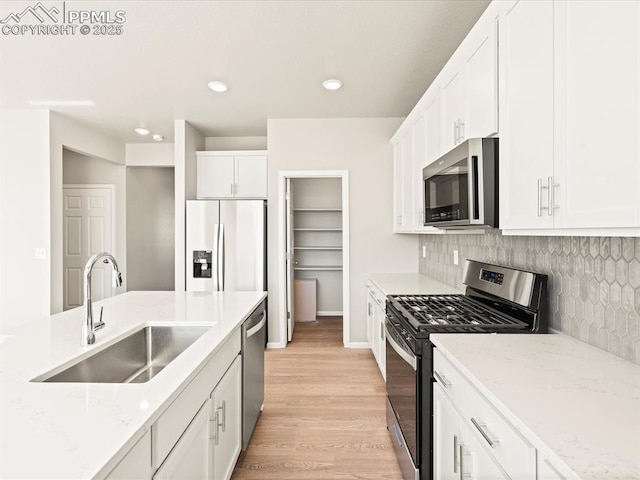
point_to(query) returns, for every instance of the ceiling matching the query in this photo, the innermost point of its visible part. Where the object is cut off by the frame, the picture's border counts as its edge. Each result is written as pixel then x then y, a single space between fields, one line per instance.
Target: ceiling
pixel 274 56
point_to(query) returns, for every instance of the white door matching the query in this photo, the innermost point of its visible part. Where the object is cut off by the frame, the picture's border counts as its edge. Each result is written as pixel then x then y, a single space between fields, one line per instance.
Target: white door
pixel 290 259
pixel 87 229
pixel 227 422
pixel 251 175
pixel 190 458
pixel 526 114
pixel 597 165
pixel 215 177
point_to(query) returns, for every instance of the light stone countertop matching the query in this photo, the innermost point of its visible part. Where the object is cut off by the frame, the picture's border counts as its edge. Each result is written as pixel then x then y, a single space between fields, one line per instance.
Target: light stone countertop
pixel 578 405
pixel 410 283
pixel 75 430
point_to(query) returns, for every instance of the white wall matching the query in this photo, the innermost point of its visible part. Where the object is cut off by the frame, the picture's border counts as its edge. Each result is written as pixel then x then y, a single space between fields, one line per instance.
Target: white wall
pixel 150 154
pixel 66 134
pixel 188 141
pixel 24 216
pixel 360 145
pixel 235 143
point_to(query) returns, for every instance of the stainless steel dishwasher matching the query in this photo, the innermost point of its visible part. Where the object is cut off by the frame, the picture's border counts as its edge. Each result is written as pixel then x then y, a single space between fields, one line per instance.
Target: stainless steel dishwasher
pixel 253 342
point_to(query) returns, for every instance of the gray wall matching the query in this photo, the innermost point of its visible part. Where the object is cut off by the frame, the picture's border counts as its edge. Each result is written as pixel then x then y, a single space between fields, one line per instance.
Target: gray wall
pixel 594 282
pixel 150 228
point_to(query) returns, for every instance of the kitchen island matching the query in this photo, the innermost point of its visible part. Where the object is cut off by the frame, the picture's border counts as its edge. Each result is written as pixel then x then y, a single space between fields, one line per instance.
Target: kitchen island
pixel 84 430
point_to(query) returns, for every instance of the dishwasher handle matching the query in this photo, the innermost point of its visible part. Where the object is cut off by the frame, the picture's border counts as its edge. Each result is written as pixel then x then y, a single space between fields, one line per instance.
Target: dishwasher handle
pixel 256 328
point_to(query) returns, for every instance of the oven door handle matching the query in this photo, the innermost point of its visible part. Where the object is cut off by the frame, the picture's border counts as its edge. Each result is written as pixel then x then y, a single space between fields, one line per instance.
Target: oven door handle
pixel 409 358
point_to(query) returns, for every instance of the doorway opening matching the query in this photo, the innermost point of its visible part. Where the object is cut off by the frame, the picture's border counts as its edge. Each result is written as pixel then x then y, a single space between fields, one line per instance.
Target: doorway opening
pixel 314 249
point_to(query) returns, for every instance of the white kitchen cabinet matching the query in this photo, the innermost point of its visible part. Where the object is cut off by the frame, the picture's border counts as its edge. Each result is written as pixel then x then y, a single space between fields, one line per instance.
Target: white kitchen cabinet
pixel 433 127
pixel 448 428
pixel 469 86
pixel 235 174
pixel 226 422
pixel 487 445
pixel 199 433
pixel 409 211
pixel 398 185
pixel 190 457
pixel 597 114
pixel 410 157
pixel 569 157
pixel 460 103
pixel 376 319
pixel 456 452
pixel 526 123
pixel 547 471
pixel 136 465
pixel 453 104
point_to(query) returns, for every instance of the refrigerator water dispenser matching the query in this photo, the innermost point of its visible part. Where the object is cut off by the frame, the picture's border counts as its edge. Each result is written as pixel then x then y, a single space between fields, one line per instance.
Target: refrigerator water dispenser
pixel 202 264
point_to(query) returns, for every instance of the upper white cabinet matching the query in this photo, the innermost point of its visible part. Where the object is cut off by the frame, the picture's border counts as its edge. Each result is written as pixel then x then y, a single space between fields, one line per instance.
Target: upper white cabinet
pixel 461 103
pixel 239 174
pixel 469 85
pixel 569 117
pixel 526 113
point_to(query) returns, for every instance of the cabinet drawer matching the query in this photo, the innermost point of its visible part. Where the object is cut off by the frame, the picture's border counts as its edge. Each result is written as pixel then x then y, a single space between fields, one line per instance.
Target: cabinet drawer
pixel 166 431
pixel 376 294
pixel 512 451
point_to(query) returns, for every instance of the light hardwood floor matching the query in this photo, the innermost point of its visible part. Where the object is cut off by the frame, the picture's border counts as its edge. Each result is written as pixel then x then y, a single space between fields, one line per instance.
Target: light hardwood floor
pixel 323 413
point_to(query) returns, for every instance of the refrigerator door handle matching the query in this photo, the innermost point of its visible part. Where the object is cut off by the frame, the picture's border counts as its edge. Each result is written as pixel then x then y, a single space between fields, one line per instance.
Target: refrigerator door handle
pixel 221 258
pixel 215 257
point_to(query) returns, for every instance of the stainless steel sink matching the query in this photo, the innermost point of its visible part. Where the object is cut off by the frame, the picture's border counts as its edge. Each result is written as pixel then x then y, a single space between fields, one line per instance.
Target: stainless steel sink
pixel 136 358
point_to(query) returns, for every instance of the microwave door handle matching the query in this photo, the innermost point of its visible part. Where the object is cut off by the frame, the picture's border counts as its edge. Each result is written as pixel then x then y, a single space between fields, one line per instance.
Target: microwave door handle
pixel 475 190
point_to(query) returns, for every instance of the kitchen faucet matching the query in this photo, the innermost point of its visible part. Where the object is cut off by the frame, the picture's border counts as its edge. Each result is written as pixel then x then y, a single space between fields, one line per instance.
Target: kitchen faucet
pixel 88 329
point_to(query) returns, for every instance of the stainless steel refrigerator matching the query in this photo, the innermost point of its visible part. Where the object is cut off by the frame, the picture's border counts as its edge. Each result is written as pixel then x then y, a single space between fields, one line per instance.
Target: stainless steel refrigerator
pixel 226 245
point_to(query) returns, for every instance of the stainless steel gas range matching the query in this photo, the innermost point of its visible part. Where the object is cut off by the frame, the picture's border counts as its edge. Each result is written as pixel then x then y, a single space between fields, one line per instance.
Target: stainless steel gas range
pixel 497 299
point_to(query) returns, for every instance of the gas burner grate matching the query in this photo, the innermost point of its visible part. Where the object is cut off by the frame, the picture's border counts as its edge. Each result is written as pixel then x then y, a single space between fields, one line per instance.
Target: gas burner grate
pixel 443 312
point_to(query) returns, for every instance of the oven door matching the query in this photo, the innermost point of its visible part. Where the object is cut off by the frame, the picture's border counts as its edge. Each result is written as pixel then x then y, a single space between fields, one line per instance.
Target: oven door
pixel 403 375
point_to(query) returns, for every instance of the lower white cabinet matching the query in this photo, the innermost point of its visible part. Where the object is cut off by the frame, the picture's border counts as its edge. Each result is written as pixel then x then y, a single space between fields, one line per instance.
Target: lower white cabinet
pixel 457 453
pixel 136 465
pixel 198 436
pixel 190 456
pixel 226 422
pixel 471 438
pixel 375 325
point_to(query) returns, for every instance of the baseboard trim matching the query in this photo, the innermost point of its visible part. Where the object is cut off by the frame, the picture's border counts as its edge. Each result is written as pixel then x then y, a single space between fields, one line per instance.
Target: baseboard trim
pixel 328 313
pixel 358 345
pixel 276 345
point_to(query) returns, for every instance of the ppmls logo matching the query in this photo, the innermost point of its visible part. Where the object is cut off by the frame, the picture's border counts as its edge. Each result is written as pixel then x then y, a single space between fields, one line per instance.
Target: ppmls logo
pixel 39 12
pixel 40 20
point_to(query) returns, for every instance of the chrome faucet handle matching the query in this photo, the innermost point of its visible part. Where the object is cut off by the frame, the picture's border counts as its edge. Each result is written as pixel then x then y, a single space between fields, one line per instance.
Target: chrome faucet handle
pixel 100 323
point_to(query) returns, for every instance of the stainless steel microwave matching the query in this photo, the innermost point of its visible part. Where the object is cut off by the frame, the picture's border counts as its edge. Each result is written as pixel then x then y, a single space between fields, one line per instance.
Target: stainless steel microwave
pixel 461 187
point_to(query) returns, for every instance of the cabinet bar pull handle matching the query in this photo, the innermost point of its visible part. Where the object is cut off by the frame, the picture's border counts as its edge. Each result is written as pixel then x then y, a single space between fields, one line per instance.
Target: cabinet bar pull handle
pixel 456 458
pixel 551 186
pixel 460 130
pixel 540 188
pixel 222 408
pixel 455 132
pixel 462 475
pixel 442 379
pixel 216 433
pixel 482 429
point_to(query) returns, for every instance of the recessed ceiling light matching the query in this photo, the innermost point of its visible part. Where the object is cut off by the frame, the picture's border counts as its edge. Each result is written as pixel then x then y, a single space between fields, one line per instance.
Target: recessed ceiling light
pixel 218 86
pixel 141 131
pixel 61 103
pixel 332 84
pixel 157 137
